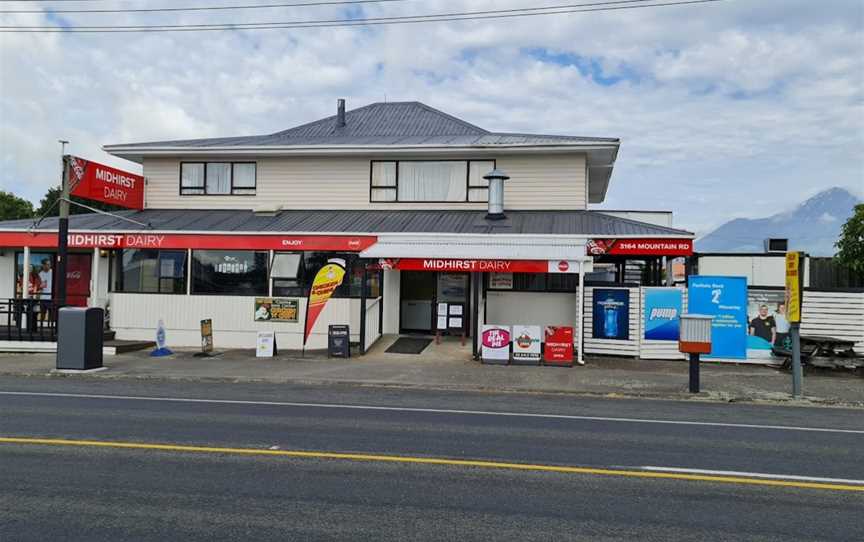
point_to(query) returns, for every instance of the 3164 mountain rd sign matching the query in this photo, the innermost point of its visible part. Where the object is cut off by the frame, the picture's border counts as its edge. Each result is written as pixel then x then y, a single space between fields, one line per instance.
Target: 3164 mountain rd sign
pixel 98 182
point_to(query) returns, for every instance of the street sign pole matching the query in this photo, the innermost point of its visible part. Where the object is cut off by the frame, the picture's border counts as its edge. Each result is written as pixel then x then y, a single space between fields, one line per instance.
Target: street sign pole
pixel 794 295
pixel 63 232
pixel 795 334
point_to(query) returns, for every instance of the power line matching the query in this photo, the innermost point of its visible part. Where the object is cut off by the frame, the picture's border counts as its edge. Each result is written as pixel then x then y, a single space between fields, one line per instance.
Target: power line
pixel 372 21
pixel 193 8
pixel 329 21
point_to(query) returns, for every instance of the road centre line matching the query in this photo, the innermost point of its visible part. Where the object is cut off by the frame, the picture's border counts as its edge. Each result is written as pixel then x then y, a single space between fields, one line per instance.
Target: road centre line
pixel 755 475
pixel 435 411
pixel 434 461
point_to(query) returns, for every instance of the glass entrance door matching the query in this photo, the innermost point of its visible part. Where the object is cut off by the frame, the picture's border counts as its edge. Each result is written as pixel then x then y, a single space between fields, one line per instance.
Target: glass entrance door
pixel 417 292
pixel 452 288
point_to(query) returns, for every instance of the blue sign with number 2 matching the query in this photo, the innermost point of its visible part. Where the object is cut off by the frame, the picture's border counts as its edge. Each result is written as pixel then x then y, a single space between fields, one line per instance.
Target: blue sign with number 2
pixel 724 298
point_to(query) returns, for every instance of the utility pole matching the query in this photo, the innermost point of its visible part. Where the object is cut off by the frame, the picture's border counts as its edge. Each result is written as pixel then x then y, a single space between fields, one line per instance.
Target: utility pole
pixel 63 230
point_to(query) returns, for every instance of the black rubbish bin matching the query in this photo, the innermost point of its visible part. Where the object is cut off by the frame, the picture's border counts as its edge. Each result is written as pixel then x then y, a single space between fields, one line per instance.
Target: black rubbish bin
pixel 79 338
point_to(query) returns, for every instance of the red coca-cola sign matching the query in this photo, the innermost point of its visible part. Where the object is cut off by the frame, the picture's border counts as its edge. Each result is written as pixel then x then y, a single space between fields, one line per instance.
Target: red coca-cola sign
pixel 99 182
pixel 563 266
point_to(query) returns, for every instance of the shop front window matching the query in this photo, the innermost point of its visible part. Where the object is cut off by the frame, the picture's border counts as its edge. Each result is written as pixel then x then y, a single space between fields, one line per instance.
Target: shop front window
pixel 307 266
pixel 150 271
pixel 533 282
pixel 229 272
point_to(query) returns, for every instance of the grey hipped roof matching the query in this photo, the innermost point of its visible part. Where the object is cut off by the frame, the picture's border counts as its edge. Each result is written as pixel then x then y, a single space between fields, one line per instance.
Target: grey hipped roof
pixel 576 223
pixel 383 123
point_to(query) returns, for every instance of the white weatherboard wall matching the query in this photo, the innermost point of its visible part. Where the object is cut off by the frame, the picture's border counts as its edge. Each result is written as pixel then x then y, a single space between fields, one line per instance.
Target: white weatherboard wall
pixel 760 270
pixel 391 300
pixel 135 316
pixel 373 333
pixel 537 181
pixel 835 314
pixel 532 308
pixel 611 347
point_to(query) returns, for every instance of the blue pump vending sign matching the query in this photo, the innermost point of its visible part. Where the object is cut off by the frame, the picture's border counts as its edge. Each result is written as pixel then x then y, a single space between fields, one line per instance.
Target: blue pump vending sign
pixel 724 298
pixel 662 314
pixel 611 314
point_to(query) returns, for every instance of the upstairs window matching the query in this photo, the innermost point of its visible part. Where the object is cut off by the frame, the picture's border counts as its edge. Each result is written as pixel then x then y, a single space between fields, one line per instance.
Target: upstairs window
pixel 217 178
pixel 430 181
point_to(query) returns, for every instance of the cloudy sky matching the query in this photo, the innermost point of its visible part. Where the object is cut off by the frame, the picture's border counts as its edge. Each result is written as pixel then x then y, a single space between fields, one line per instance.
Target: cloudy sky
pixel 725 109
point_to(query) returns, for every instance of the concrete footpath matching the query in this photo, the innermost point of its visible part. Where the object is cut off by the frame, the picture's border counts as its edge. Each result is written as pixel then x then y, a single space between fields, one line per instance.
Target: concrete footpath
pixel 610 377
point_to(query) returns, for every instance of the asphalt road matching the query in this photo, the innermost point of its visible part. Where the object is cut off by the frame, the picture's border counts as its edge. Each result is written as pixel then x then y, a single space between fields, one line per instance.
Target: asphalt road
pixel 74 488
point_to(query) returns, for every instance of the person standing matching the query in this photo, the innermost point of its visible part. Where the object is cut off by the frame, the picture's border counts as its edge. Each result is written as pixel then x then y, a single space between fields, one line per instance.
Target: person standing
pixel 764 325
pixel 46 283
pixel 782 322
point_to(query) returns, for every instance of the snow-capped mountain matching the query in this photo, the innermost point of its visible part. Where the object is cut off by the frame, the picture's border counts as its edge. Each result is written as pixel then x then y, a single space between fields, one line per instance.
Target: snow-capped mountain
pixel 813 226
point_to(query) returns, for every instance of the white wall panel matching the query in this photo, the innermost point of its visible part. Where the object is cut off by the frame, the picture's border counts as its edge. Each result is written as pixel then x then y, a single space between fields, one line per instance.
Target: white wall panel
pixel 135 316
pixel 553 181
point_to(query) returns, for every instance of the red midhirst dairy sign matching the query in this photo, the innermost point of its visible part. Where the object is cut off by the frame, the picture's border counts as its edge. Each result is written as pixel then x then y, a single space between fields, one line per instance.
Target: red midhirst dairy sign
pixel 98 182
pixel 640 247
pixel 484 266
pixel 195 241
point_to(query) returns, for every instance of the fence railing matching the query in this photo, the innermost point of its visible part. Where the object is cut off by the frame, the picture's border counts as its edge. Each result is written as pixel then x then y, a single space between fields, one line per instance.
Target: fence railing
pixel 28 320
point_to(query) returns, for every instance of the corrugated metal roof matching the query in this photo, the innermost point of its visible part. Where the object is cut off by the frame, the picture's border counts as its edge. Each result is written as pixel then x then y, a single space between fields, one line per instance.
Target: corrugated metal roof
pixel 383 123
pixel 588 223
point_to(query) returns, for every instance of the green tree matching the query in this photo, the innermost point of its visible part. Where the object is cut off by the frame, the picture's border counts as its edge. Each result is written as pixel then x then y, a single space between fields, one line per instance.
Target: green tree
pixel 12 207
pixel 48 206
pixel 850 247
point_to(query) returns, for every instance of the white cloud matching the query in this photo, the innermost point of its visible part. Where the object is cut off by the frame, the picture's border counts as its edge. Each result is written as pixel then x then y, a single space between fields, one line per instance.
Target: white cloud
pixel 737 108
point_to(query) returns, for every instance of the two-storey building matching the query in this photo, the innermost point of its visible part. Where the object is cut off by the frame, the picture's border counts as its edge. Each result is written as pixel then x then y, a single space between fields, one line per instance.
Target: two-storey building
pixel 396 190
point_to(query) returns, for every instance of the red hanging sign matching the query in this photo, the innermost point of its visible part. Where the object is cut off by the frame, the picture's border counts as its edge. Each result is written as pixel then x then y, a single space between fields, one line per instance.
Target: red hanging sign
pixel 640 247
pixel 98 182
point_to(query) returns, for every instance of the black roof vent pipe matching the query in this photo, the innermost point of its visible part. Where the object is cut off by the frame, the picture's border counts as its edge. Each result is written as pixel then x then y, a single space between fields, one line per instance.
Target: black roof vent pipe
pixel 340 113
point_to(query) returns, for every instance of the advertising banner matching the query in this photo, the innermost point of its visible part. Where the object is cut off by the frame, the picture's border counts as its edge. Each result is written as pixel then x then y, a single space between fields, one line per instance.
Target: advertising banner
pixel 99 182
pixel 611 314
pixel 326 281
pixel 663 313
pixel 793 287
pixel 559 345
pixel 526 345
pixel 495 341
pixel 640 247
pixel 215 241
pixel 276 309
pixel 724 298
pixel 767 325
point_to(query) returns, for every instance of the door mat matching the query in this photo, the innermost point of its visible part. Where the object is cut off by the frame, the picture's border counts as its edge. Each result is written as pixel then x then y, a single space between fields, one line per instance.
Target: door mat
pixel 408 345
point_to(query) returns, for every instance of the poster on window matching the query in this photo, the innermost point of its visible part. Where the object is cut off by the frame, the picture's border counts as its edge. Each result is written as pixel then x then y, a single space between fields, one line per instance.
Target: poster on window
pixel 724 298
pixel 501 281
pixel 276 309
pixel 328 278
pixel 526 345
pixel 39 279
pixel 611 314
pixel 495 344
pixel 662 313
